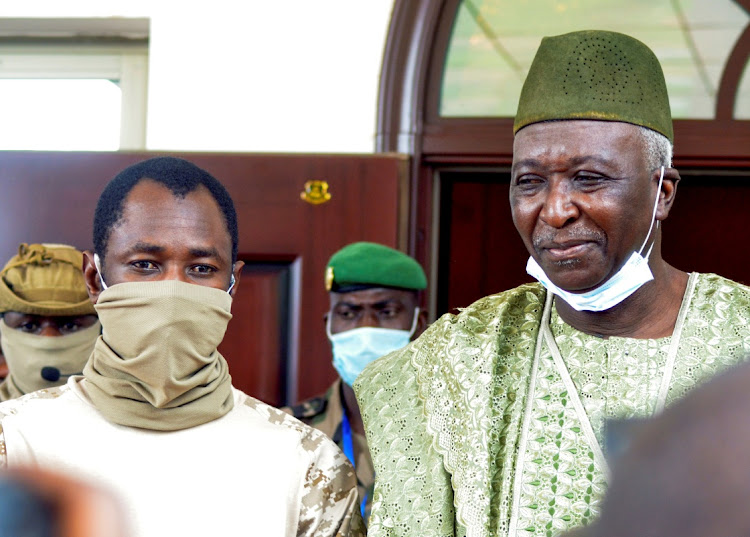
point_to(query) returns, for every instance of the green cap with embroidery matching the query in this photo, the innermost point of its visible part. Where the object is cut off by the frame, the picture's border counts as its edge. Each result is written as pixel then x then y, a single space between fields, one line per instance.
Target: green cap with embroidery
pixel 595 74
pixel 362 265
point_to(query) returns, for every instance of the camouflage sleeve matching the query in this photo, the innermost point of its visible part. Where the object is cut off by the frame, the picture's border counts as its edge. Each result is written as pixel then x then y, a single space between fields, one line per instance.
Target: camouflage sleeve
pixel 3 453
pixel 330 501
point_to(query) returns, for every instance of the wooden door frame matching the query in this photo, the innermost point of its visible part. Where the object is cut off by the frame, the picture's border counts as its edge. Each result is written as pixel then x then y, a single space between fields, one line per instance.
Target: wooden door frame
pixel 408 120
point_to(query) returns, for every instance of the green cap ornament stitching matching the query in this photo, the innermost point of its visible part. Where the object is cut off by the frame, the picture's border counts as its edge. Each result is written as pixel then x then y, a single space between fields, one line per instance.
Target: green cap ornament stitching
pixel 599 75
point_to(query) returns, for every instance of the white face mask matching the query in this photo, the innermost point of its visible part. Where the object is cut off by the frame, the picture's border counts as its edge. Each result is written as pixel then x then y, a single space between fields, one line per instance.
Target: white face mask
pixel 631 276
pixel 97 264
pixel 354 349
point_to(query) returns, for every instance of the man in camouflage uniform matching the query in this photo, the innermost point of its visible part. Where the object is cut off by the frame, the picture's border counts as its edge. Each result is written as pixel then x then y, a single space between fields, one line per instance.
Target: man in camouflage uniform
pixel 154 417
pixel 374 297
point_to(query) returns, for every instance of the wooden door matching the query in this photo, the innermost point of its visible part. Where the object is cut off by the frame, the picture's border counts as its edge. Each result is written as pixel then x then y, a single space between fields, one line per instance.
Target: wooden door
pixel 276 344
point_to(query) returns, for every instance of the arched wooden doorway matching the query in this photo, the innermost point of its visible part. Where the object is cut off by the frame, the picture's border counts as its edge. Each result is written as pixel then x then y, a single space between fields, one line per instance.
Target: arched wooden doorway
pixel 460 221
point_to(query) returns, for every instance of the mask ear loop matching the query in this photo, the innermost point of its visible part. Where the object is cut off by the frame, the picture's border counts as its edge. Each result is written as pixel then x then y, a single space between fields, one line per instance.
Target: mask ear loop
pixel 231 282
pixel 98 266
pixel 653 217
pixel 414 322
pixel 328 326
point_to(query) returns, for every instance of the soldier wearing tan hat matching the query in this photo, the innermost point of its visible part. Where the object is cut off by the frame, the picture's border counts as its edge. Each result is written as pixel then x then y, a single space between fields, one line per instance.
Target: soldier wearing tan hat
pixel 49 326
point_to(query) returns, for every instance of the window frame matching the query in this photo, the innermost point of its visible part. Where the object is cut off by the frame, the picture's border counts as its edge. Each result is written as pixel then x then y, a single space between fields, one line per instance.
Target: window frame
pixel 119 58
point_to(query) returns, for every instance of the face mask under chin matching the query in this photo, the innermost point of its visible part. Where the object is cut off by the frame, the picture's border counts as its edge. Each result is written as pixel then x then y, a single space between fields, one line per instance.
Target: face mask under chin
pixel 626 281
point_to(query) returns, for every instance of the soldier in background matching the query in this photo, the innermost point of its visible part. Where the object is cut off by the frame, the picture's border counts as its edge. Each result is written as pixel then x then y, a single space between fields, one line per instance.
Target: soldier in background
pixel 374 297
pixel 49 326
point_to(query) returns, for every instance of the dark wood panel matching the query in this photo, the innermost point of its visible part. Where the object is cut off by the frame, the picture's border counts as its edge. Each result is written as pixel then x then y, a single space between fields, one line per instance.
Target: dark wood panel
pixel 484 254
pixel 261 306
pixel 707 230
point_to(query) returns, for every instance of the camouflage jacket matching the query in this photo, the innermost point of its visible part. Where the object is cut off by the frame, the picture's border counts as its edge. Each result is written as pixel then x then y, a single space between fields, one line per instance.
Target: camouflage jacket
pixel 325 413
pixel 310 490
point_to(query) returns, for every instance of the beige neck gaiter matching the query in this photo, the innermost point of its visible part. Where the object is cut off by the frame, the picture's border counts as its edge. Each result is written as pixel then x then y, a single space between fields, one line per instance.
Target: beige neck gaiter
pixel 156 365
pixel 28 354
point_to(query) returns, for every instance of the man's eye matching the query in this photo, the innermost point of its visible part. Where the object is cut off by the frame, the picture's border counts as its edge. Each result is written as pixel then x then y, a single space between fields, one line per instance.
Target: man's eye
pixel 589 179
pixel 29 327
pixel 69 327
pixel 348 314
pixel 388 313
pixel 528 180
pixel 143 265
pixel 204 269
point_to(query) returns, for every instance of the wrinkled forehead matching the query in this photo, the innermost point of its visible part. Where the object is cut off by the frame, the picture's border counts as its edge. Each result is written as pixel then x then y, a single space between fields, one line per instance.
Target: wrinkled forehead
pixel 576 139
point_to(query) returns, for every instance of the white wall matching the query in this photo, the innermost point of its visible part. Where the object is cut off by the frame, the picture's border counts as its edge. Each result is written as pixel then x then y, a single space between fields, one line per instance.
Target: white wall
pixel 252 75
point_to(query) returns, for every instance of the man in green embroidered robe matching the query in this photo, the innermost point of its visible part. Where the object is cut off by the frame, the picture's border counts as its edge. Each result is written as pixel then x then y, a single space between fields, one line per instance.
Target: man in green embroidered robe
pixel 492 422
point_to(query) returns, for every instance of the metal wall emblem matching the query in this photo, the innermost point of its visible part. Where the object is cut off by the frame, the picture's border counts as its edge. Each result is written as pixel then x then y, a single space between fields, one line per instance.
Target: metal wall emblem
pixel 316 192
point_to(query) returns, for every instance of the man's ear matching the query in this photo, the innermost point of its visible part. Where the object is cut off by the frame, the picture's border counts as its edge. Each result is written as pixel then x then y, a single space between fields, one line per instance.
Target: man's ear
pixel 91 276
pixel 668 191
pixel 237 272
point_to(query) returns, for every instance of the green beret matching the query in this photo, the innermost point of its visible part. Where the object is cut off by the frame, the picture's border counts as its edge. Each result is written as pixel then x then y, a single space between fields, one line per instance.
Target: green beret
pixel 367 264
pixel 595 74
pixel 45 279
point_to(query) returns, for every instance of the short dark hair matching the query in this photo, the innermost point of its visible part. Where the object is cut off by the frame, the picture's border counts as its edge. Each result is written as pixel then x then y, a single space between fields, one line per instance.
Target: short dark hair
pixel 178 175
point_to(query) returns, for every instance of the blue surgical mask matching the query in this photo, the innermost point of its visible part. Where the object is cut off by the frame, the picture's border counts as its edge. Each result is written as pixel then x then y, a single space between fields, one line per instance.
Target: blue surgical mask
pixel 631 276
pixel 354 349
pixel 97 264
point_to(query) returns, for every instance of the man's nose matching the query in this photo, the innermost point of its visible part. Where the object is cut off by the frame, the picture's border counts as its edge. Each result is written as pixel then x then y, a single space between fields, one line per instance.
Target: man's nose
pixel 369 319
pixel 559 206
pixel 175 273
pixel 49 329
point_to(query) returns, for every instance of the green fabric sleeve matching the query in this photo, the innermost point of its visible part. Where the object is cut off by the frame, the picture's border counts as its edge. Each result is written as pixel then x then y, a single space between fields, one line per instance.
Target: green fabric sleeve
pixel 409 472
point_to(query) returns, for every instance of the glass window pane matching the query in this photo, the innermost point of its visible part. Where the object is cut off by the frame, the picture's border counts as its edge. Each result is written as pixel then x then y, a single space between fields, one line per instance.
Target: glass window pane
pixel 494 42
pixel 50 114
